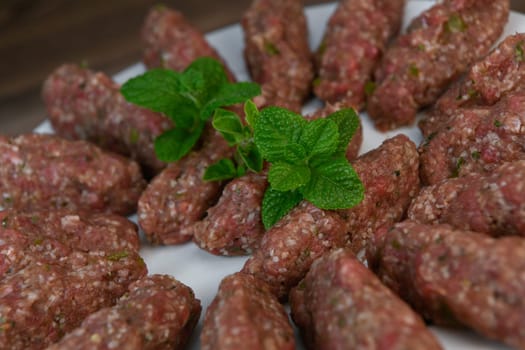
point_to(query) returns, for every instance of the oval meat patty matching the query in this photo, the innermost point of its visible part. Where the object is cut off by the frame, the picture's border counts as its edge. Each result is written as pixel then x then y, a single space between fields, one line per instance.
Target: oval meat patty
pixel 340 304
pixel 277 52
pixel 246 315
pixel 86 105
pixel 355 38
pixel 46 172
pixel 454 277
pixel 438 47
pixel 158 312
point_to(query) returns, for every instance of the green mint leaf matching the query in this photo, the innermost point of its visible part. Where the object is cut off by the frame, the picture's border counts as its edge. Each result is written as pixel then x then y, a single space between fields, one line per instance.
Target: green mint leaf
pixel 229 94
pixel 186 115
pixel 174 144
pixel 251 156
pixel 224 169
pixel 157 90
pixel 334 184
pixel 320 137
pixel 229 125
pixel 203 78
pixel 286 177
pixel 277 204
pixel 241 170
pixel 294 153
pixel 251 113
pixel 192 84
pixel 277 133
pixel 347 121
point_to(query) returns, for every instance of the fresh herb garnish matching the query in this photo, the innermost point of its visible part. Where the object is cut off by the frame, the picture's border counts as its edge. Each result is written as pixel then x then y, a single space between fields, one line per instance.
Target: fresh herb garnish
pixel 307 161
pixel 307 158
pixel 247 155
pixel 188 99
pixel 497 123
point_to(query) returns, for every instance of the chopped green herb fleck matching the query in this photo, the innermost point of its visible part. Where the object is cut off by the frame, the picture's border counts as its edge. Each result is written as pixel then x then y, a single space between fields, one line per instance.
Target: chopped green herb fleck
pixel 397 173
pixel 370 87
pixel 519 53
pixel 117 256
pixel 38 241
pixel 455 24
pixel 6 324
pixel 322 48
pixel 497 123
pixel 429 138
pixel 459 164
pixel 271 49
pixel 140 261
pixel 133 136
pixel 316 82
pixel 421 47
pixel 472 92
pixel 413 70
pixel 302 285
pixel 475 155
pixel 34 219
pixel 395 244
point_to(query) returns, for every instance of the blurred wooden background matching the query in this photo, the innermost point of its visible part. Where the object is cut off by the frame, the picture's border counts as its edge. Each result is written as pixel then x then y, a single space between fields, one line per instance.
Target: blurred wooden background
pixel 37 36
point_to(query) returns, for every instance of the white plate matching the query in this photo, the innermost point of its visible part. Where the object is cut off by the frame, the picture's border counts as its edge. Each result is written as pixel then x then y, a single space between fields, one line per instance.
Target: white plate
pixel 203 271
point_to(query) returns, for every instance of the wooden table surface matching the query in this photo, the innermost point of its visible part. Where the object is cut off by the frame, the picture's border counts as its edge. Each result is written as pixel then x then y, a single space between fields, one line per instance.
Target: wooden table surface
pixel 36 36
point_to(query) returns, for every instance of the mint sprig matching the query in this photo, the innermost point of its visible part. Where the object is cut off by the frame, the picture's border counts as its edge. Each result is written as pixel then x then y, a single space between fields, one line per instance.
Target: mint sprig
pixel 188 98
pixel 307 161
pixel 247 154
pixel 307 158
